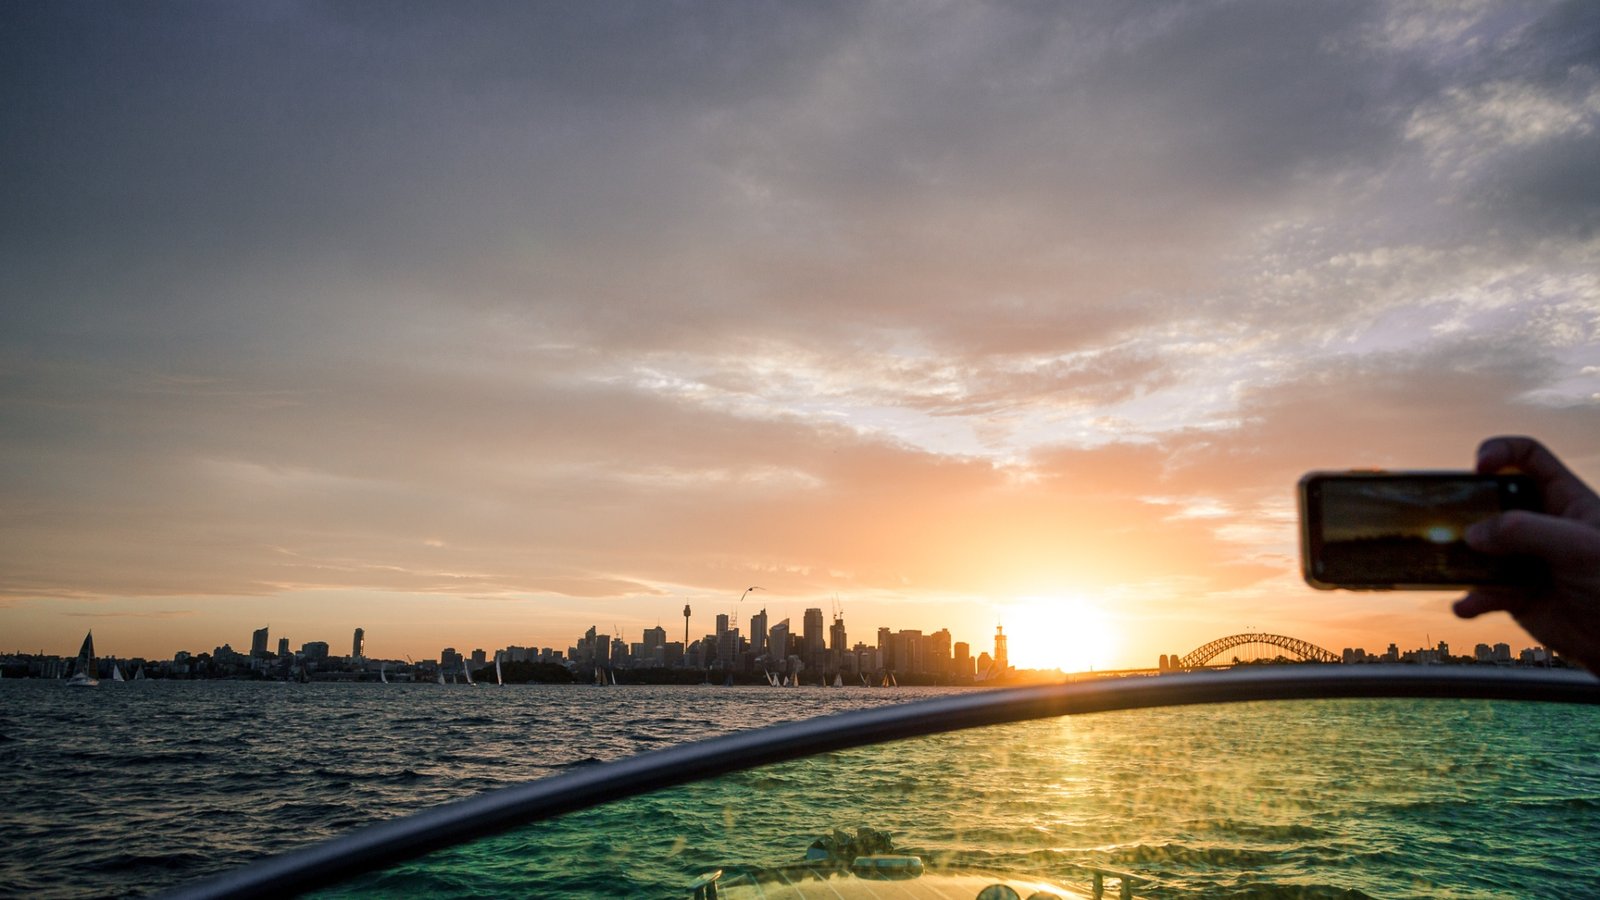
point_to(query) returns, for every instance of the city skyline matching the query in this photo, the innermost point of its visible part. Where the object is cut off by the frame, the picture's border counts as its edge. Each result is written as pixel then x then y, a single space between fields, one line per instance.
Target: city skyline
pixel 516 321
pixel 562 648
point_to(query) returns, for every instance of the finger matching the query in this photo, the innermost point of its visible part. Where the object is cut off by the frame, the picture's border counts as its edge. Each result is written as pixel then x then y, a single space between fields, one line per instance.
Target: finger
pixel 1563 492
pixel 1563 543
pixel 1489 599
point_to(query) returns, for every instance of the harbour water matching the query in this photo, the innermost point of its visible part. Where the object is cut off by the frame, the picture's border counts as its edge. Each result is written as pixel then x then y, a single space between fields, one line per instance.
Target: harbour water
pixel 127 789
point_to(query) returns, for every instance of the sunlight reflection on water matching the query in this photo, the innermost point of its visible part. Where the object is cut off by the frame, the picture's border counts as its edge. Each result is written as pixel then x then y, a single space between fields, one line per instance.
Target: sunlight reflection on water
pixel 1325 798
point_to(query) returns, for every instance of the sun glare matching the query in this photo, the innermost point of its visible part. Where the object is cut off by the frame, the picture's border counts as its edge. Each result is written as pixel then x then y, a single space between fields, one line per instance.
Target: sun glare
pixel 1058 632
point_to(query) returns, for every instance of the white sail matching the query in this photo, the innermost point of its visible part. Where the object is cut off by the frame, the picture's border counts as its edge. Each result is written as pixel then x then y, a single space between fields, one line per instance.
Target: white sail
pixel 138 674
pixel 85 676
pixel 499 678
pixel 383 676
pixel 466 673
pixel 441 676
pixel 838 680
pixel 116 673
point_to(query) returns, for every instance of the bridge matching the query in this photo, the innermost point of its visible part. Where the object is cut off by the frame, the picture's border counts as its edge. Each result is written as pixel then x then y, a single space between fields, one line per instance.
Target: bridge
pixel 1302 649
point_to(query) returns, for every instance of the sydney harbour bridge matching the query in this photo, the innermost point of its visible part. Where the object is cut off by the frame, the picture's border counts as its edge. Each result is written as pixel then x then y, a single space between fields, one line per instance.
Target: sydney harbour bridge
pixel 1277 644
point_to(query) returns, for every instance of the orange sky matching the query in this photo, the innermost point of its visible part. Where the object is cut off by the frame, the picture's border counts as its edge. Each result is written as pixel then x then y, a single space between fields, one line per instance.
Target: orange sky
pixel 480 331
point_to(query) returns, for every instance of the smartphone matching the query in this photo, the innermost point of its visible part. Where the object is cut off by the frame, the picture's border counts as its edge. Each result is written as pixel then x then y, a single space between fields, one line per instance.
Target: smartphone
pixel 1383 531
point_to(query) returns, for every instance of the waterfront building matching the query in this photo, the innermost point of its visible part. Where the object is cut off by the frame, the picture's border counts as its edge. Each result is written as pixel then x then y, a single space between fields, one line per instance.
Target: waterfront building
pixel 778 644
pixel 758 634
pixel 655 637
pixel 449 659
pixel 1502 653
pixel 813 637
pixel 1483 653
pixel 258 642
pixel 315 650
pixel 938 652
pixel 358 644
pixel 283 648
pixel 728 648
pixel 1001 662
pixel 479 658
pixel 837 641
pixel 961 663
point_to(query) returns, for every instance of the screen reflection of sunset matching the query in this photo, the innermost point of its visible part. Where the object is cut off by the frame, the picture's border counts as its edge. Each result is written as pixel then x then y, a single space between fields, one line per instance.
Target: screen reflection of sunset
pixel 1059 632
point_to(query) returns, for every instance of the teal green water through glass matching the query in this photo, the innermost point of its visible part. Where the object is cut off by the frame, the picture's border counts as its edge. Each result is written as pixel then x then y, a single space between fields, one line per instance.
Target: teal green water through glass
pixel 1327 798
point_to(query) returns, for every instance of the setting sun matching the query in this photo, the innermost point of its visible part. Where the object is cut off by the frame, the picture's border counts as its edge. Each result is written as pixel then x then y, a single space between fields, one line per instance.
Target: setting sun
pixel 1059 632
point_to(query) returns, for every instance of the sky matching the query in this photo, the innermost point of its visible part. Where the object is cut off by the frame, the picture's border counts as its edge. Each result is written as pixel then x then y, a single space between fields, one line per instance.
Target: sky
pixel 478 324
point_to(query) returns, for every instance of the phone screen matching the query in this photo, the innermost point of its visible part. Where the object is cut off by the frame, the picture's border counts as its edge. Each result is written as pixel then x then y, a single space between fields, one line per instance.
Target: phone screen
pixel 1397 530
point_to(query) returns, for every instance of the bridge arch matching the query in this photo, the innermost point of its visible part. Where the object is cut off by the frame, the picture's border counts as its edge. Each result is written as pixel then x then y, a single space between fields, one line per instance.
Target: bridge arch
pixel 1303 649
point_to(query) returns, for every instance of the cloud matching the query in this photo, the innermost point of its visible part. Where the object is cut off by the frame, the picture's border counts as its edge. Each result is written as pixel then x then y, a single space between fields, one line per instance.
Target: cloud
pixel 912 301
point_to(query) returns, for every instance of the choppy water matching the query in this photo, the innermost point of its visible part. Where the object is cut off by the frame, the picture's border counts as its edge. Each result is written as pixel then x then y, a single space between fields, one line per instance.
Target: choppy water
pixel 126 790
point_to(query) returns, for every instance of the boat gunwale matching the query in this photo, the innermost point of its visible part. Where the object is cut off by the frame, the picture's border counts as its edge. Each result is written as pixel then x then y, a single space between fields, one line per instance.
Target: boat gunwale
pixel 396 840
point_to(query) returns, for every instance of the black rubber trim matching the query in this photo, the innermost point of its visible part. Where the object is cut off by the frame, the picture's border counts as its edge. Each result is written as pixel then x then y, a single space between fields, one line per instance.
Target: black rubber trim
pixel 386 843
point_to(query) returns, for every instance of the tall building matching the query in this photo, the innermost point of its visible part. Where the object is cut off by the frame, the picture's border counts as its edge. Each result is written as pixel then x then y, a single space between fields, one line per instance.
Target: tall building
pixel 358 646
pixel 479 658
pixel 778 645
pixel 837 642
pixel 1001 662
pixel 722 624
pixel 813 636
pixel 449 658
pixel 283 648
pixel 758 633
pixel 655 637
pixel 963 659
pixel 258 642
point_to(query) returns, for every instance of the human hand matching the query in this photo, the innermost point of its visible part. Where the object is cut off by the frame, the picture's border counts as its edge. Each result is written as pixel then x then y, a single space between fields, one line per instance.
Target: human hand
pixel 1563 612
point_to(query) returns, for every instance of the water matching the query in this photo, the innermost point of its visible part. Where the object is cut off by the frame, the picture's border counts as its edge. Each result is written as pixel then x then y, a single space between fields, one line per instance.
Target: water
pixel 122 791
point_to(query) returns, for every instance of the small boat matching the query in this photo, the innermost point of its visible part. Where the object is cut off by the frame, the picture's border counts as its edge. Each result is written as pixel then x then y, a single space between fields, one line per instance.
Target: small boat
pixel 116 673
pixel 441 676
pixel 466 673
pixel 838 680
pixel 383 676
pixel 138 674
pixel 86 667
pixel 499 678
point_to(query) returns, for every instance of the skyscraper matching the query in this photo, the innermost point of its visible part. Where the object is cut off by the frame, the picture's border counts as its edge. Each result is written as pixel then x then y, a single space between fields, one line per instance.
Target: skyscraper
pixel 1001 663
pixel 837 642
pixel 258 642
pixel 358 646
pixel 655 637
pixel 812 637
pixel 758 633
pixel 778 645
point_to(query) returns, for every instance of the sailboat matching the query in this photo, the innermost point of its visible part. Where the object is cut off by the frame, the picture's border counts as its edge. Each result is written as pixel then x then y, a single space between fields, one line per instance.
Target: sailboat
pixel 383 675
pixel 138 674
pixel 467 673
pixel 85 674
pixel 116 673
pixel 499 678
pixel 838 680
pixel 441 676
